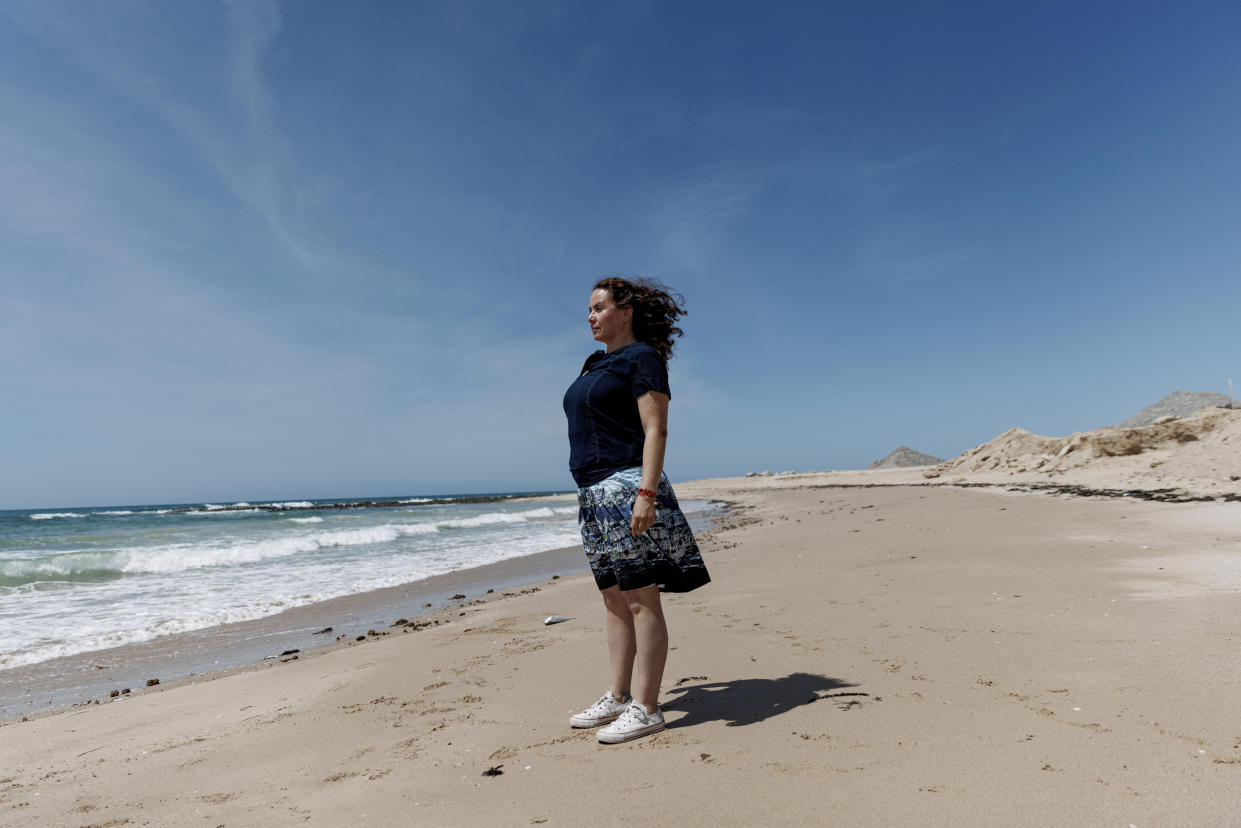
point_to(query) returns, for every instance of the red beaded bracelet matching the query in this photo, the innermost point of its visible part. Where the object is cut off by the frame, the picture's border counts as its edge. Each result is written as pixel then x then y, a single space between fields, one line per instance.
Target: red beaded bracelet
pixel 647 493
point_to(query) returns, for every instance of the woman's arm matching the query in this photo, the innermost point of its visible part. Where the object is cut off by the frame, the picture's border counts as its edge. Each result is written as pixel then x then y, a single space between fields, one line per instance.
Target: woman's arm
pixel 653 411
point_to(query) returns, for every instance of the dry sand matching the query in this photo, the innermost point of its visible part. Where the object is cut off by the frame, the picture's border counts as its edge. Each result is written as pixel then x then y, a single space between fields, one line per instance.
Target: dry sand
pixel 866 656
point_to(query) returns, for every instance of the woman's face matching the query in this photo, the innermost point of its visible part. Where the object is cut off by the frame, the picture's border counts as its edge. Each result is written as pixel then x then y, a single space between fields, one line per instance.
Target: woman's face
pixel 608 323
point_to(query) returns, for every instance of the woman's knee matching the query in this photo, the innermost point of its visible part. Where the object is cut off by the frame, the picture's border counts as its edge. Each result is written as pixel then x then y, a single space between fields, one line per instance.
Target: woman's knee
pixel 614 600
pixel 644 601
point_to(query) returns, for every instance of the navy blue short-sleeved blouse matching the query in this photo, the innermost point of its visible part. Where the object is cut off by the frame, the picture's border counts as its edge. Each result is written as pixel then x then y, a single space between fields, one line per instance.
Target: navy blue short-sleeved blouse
pixel 605 431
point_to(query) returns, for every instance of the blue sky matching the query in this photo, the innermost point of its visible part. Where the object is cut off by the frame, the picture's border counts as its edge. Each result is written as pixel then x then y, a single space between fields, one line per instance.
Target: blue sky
pixel 319 249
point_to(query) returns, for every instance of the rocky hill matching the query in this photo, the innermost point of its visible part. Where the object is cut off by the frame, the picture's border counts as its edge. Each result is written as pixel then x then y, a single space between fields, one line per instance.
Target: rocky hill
pixel 1177 404
pixel 904 458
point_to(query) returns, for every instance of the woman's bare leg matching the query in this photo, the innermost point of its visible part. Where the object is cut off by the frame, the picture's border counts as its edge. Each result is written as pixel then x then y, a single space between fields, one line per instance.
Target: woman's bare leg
pixel 622 642
pixel 651 635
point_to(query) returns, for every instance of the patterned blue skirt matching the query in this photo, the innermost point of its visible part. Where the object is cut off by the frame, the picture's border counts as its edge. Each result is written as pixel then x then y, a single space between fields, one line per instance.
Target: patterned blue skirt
pixel 665 555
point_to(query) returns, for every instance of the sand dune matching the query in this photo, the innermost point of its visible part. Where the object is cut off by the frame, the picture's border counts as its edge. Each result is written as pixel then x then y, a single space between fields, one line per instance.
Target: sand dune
pixel 1198 455
pixel 1201 453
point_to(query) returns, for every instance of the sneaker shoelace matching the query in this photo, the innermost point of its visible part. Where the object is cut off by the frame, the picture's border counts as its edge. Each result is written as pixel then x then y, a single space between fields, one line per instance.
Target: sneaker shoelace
pixel 632 715
pixel 604 705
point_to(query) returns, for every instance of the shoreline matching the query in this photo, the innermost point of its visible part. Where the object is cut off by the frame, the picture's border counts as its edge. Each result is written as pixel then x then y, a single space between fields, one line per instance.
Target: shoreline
pixel 90 678
pixel 202 655
pixel 951 655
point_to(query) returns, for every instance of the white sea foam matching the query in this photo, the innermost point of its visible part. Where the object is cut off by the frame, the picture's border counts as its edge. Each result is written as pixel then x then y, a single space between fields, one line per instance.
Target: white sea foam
pixel 51 515
pixel 172 558
pixel 114 631
pixel 551 511
pixel 115 512
pixel 106 619
pixel 482 520
pixel 291 504
pixel 183 557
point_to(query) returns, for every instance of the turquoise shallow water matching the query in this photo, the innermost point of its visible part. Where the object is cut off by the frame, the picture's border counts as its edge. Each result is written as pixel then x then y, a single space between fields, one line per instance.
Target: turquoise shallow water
pixel 78 580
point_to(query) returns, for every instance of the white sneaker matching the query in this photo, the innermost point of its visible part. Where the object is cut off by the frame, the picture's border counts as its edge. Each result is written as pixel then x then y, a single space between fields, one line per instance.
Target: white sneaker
pixel 605 710
pixel 634 723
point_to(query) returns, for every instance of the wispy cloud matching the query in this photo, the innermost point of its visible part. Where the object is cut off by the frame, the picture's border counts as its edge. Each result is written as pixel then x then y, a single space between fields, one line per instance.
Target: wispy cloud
pixel 897 251
pixel 255 25
pixel 694 218
pixel 236 134
pixel 250 154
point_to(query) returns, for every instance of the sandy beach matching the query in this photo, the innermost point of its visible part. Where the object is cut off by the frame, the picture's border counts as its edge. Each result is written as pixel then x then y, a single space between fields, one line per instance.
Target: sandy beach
pixel 875 648
pixel 328 329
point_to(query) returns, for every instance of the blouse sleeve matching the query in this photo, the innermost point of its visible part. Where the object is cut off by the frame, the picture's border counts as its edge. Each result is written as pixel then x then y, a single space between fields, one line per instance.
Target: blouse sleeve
pixel 647 372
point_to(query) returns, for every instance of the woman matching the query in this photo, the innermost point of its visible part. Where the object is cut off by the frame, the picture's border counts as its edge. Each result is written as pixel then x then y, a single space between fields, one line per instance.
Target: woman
pixel 636 538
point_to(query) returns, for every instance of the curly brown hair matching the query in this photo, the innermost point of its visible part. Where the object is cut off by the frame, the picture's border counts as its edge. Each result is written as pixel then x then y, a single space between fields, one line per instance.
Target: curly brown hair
pixel 656 308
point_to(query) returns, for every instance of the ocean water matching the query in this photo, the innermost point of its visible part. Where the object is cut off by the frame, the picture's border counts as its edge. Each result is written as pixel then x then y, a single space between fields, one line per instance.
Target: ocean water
pixel 79 580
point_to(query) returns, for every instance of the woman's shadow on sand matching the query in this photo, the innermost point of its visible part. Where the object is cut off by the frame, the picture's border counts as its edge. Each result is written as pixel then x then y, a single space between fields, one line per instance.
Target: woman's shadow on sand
pixel 747 701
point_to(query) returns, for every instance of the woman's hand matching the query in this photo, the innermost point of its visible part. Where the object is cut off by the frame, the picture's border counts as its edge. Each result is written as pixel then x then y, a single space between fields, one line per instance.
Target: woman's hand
pixel 643 515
